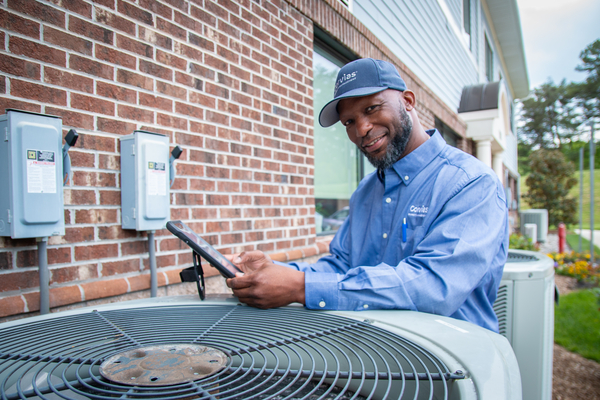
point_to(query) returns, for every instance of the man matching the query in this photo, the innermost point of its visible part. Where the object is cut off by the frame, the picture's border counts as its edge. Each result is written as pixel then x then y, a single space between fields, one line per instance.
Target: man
pixel 427 232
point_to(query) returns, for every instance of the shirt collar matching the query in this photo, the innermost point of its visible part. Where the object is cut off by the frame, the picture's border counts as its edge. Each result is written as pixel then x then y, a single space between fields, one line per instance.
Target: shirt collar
pixel 409 167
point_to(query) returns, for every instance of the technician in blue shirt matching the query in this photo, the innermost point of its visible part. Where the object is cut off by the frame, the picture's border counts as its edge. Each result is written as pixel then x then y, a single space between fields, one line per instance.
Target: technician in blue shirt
pixel 427 232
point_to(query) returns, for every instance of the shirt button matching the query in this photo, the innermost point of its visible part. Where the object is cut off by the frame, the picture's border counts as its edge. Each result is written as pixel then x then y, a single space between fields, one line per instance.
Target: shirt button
pixel 388 200
pixel 322 304
pixel 385 235
pixel 366 306
pixel 406 177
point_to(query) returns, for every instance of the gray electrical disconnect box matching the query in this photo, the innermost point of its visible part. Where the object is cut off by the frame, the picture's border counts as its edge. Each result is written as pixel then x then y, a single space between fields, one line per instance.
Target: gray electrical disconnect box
pixel 144 181
pixel 31 185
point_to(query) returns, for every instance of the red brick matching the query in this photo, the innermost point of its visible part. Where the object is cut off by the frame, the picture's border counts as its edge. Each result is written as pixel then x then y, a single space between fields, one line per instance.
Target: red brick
pixel 15 23
pixel 203 185
pixel 114 126
pixel 116 92
pixel 135 12
pixel 108 161
pixel 65 295
pixel 138 247
pixel 93 252
pixel 149 100
pixel 156 70
pixel 139 282
pixel 115 232
pixel 134 46
pixel 27 258
pixel 104 288
pixel 115 57
pixel 68 80
pixel 73 119
pixel 135 79
pixel 67 41
pixel 80 197
pixel 92 104
pixel 92 31
pixel 114 21
pixel 96 216
pixel 172 121
pixel 171 60
pixel 73 273
pixel 37 92
pixel 60 255
pixel 19 280
pixel 120 267
pixel 19 105
pixel 39 10
pixel 94 142
pixel 192 199
pixel 135 113
pixel 90 66
pixel 110 197
pixel 11 306
pixel 173 244
pixel 5 260
pixel 19 67
pixel 157 39
pixel 171 90
pixel 79 234
pixel 172 29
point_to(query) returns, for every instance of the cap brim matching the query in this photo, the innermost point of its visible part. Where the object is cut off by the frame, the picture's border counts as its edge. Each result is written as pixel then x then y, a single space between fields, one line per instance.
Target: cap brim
pixel 329 114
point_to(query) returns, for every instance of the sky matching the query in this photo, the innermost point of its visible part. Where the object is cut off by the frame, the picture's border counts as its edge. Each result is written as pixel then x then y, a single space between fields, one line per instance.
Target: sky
pixel 554 33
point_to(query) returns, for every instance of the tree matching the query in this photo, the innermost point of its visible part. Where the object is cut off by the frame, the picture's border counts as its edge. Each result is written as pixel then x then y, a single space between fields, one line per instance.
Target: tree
pixel 587 93
pixel 549 117
pixel 549 183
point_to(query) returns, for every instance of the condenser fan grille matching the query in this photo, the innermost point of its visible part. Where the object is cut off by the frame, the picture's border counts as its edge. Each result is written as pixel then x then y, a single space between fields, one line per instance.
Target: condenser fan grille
pixel 286 353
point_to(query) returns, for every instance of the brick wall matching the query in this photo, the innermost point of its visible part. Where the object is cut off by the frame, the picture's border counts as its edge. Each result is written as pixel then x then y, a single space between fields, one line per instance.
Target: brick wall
pixel 230 82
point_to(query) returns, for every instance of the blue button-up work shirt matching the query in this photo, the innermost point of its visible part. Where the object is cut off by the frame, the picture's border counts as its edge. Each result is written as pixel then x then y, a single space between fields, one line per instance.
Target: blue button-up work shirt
pixel 451 258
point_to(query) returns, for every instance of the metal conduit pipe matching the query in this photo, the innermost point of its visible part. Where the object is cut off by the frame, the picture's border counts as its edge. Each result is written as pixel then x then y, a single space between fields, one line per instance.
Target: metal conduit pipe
pixel 42 244
pixel 153 278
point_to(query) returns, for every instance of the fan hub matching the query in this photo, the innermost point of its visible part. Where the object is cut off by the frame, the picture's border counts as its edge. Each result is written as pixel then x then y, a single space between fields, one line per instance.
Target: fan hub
pixel 163 364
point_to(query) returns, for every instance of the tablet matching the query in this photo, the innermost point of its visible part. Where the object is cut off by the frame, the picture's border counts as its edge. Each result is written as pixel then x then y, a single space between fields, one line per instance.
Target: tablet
pixel 200 246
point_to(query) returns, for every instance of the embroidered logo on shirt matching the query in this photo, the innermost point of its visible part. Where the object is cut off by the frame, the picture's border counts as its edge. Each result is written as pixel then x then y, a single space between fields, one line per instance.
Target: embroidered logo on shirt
pixel 417 211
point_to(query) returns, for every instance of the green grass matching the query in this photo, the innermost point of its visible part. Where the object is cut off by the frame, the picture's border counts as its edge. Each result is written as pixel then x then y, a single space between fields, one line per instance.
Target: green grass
pixel 573 242
pixel 575 194
pixel 577 323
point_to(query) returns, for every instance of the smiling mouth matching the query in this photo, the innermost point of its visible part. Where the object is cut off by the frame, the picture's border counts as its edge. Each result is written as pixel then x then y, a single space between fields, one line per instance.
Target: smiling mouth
pixel 373 144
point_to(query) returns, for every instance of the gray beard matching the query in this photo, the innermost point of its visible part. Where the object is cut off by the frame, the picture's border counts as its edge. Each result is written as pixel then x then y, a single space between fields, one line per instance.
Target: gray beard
pixel 397 146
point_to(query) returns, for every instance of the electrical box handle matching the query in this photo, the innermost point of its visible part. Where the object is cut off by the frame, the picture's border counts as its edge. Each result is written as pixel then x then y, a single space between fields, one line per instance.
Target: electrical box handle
pixel 174 155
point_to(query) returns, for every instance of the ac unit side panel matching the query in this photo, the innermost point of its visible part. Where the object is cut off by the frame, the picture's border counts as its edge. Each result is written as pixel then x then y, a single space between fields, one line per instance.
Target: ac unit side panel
pixel 530 336
pixel 128 178
pixel 503 307
pixel 548 349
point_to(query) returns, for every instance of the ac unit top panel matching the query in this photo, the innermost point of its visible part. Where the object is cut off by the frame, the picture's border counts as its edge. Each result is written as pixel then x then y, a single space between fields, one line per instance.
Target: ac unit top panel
pixel 370 352
pixel 526 265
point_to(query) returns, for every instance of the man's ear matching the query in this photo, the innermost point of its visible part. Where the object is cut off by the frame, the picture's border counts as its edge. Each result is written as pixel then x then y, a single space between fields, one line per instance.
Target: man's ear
pixel 409 99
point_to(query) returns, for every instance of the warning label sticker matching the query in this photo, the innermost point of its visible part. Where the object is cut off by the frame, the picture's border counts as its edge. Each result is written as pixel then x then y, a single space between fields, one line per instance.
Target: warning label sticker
pixel 41 171
pixel 156 179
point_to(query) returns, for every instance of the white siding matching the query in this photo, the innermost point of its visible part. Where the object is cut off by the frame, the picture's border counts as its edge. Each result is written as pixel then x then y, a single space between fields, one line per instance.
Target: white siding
pixel 419 34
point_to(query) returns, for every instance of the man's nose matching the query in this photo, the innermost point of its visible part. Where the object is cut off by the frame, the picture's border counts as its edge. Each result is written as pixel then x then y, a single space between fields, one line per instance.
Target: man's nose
pixel 363 127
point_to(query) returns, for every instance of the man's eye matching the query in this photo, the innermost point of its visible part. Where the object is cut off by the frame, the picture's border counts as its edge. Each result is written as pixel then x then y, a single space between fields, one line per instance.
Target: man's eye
pixel 348 122
pixel 372 108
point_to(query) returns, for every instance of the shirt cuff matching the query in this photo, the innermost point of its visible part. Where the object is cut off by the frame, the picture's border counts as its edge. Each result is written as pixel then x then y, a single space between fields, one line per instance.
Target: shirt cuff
pixel 321 290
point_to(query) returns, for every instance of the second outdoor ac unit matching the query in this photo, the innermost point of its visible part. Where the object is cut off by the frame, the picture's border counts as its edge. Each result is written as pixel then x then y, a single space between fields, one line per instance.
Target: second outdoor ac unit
pixel 525 310
pixel 538 217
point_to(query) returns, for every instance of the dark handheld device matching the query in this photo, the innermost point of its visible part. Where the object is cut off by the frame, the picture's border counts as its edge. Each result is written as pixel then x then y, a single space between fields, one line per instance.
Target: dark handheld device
pixel 201 247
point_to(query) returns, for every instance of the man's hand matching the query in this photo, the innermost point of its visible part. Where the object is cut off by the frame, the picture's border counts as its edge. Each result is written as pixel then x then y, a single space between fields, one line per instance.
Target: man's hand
pixel 264 284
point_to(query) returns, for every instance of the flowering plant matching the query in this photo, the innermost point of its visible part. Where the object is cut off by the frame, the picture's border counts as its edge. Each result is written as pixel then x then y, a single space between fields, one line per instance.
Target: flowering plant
pixel 576 265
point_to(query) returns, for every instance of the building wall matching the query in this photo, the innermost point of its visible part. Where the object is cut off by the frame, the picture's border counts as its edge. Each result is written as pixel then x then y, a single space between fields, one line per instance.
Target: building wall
pixel 230 82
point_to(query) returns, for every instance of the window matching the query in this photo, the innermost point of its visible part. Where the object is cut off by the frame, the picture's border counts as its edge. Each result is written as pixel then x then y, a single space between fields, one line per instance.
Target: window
pixel 449 135
pixel 489 61
pixel 339 165
pixel 467 19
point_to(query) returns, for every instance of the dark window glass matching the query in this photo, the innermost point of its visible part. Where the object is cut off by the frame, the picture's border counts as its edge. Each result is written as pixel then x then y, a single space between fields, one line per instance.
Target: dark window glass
pixel 489 61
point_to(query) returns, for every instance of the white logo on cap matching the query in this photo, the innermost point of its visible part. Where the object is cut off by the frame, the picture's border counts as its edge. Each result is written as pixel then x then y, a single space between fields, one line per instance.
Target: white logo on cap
pixel 346 78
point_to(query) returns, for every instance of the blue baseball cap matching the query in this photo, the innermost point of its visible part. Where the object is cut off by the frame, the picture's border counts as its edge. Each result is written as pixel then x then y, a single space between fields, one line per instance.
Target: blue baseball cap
pixel 362 77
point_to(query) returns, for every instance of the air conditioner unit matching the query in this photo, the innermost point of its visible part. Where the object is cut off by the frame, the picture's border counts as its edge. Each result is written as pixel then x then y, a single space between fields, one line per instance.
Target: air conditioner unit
pixel 538 217
pixel 180 348
pixel 525 310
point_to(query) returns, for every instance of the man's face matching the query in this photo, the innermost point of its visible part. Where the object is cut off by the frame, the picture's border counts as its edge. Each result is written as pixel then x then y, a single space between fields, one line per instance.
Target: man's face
pixel 378 125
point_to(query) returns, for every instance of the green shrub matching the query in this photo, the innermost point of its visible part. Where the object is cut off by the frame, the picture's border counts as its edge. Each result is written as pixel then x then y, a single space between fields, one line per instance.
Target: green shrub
pixel 521 242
